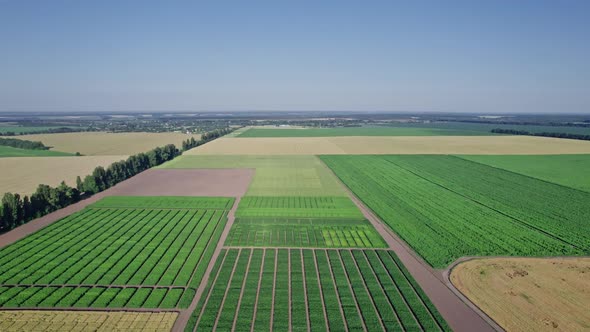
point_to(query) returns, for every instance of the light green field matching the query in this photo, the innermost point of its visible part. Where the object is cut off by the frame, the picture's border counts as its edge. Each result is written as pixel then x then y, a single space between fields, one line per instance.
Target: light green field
pixel 275 175
pixel 8 151
pixel 359 131
pixel 567 170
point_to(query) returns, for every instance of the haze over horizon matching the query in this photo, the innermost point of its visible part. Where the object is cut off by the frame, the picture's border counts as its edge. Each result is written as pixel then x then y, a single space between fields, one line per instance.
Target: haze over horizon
pixel 457 56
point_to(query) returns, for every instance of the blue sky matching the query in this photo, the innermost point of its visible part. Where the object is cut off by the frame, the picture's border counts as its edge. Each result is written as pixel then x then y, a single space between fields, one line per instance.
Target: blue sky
pixel 453 56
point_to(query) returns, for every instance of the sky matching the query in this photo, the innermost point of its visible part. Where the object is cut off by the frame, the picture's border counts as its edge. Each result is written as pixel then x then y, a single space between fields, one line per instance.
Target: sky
pixel 412 56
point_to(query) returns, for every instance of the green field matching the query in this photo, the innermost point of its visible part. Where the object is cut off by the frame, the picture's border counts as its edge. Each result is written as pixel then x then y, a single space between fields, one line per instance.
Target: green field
pixel 568 170
pixel 446 207
pixel 298 207
pixel 165 202
pixel 315 290
pixel 358 131
pixel 161 253
pixel 291 232
pixel 275 175
pixel 25 129
pixel 8 151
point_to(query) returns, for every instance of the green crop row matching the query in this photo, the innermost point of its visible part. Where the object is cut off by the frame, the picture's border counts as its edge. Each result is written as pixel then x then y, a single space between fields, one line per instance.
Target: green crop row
pixel 298 207
pixel 304 233
pixel 165 202
pixel 302 289
pixel 89 297
pixel 446 207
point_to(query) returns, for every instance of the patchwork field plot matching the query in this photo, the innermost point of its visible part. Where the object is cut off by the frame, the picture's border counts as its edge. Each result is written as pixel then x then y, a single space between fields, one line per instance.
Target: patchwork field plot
pixel 115 257
pixel 446 207
pixel 165 202
pixel 320 233
pixel 23 174
pixel 304 289
pixel 366 131
pixel 298 207
pixel 275 175
pixel 14 320
pixel 570 170
pixel 8 151
pixel 529 293
pixel 101 143
pixel 500 144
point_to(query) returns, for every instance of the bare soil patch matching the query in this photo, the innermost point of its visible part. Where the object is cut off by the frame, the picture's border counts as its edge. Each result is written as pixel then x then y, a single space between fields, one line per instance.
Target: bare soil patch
pixel 392 145
pixel 153 182
pixel 533 294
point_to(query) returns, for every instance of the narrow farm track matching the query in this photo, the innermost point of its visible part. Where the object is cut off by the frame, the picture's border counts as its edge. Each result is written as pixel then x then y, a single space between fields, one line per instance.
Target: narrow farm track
pixel 460 313
pixel 185 315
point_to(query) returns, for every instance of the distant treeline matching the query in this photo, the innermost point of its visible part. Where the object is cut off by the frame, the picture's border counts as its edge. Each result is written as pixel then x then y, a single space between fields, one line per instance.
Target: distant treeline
pixel 16 210
pixel 45 131
pixel 22 144
pixel 545 134
pixel 206 137
pixel 584 124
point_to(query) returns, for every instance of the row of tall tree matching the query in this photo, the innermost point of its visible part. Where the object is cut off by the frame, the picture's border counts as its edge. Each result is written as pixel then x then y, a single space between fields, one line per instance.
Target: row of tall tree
pixel 22 144
pixel 544 134
pixel 16 210
pixel 206 137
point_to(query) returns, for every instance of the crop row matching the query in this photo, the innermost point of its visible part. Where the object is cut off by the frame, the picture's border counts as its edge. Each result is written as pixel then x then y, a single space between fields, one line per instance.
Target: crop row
pixel 441 219
pixel 298 207
pixel 118 247
pixel 165 202
pixel 90 297
pixel 306 289
pixel 283 233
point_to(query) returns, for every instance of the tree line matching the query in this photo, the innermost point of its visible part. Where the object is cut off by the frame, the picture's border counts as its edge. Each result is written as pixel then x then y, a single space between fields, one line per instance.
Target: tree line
pixel 16 210
pixel 44 131
pixel 544 134
pixel 22 144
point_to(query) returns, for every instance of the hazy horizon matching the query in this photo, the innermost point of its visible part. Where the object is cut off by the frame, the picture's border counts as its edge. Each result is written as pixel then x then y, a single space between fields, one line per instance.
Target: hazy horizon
pixel 500 57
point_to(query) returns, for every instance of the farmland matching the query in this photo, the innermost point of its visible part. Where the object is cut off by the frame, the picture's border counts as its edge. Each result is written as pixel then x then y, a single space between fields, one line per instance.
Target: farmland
pixel 109 256
pixel 275 175
pixel 358 131
pixel 567 170
pixel 304 289
pixel 7 151
pixel 265 146
pixel 104 144
pixel 529 293
pixel 291 232
pixel 298 207
pixel 23 174
pixel 444 206
pixel 85 320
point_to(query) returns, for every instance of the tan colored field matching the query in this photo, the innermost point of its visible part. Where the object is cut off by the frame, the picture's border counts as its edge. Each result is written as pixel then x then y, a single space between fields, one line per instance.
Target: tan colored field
pixel 23 320
pixel 102 144
pixel 23 174
pixel 393 145
pixel 529 294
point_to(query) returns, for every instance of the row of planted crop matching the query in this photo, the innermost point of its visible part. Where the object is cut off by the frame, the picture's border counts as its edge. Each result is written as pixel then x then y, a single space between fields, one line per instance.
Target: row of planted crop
pixel 93 297
pixel 137 247
pixel 304 289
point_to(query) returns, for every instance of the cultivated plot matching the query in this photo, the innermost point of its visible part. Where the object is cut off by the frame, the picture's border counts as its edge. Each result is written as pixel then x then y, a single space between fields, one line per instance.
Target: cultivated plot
pixel 304 289
pixel 22 175
pixel 115 257
pixel 392 145
pixel 101 143
pixel 446 207
pixel 298 207
pixel 275 175
pixel 290 232
pixel 529 293
pixel 8 151
pixel 15 320
pixel 359 131
pixel 570 170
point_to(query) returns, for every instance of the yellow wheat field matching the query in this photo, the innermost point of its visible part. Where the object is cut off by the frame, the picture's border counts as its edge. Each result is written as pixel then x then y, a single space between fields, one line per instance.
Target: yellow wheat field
pixel 23 320
pixel 392 145
pixel 100 143
pixel 23 174
pixel 529 294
